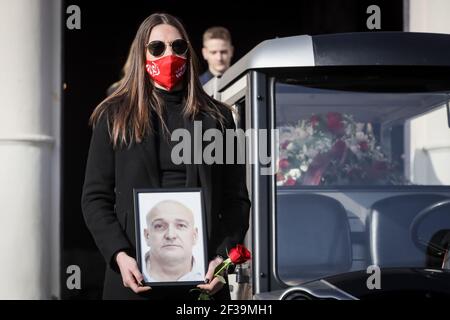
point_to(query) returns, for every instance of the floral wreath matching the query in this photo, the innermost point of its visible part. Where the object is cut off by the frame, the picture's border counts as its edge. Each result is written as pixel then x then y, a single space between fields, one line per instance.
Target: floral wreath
pixel 333 149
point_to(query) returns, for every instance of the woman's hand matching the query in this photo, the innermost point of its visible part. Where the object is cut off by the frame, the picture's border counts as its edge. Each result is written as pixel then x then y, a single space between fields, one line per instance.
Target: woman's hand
pixel 131 276
pixel 212 286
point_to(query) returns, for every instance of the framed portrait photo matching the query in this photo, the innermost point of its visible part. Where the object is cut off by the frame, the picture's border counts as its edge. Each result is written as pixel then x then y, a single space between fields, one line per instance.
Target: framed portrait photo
pixel 170 236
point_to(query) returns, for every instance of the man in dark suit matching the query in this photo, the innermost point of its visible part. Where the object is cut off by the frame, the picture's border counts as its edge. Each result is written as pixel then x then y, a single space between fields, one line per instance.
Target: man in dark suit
pixel 217 51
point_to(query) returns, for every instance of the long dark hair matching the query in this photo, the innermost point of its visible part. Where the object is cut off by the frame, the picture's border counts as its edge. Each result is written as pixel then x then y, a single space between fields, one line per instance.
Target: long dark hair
pixel 129 107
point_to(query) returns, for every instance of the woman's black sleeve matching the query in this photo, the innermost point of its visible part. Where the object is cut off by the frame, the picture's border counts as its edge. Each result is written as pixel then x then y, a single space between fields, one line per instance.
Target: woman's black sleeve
pixel 235 202
pixel 98 198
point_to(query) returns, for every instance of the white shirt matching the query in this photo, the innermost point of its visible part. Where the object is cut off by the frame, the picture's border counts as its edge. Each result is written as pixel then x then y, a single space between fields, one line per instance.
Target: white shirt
pixel 195 274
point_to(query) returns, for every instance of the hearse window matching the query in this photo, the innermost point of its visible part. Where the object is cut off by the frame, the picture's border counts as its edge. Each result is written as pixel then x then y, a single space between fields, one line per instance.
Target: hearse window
pixel 344 138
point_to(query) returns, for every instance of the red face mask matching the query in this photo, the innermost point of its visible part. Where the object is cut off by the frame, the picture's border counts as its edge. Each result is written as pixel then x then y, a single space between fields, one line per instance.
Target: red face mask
pixel 167 71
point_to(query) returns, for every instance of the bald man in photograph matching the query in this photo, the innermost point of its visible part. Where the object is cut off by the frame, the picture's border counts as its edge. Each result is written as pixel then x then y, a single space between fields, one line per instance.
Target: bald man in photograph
pixel 171 235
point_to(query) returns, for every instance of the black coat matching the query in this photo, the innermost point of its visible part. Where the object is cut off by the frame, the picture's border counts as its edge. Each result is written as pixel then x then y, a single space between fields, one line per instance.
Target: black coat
pixel 107 199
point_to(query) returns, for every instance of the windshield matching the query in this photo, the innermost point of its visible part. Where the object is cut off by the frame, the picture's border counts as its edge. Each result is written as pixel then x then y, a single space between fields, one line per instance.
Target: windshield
pixel 354 169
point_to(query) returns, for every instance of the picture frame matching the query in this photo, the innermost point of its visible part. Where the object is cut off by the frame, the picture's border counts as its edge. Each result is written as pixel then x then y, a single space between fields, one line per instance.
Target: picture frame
pixel 171 243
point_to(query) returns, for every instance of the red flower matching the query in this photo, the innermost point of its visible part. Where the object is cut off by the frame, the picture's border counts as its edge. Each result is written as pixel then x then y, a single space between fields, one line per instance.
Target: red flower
pixel 314 121
pixel 363 146
pixel 334 122
pixel 283 164
pixel 239 254
pixel 290 181
pixel 284 145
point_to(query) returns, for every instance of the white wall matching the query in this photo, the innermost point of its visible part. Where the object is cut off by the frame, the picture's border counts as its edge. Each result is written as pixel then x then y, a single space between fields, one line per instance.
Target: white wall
pixel 428 16
pixel 30 92
pixel 430 135
pixel 429 154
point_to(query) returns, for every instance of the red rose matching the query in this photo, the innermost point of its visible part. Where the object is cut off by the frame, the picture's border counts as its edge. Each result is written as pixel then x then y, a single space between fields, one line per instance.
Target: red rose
pixel 239 254
pixel 363 146
pixel 284 145
pixel 334 122
pixel 314 121
pixel 283 164
pixel 290 181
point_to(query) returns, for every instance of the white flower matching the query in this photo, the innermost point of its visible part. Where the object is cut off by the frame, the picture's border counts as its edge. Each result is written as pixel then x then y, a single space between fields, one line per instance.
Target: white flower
pixel 354 149
pixel 360 136
pixel 359 127
pixel 302 134
pixel 280 183
pixel 290 146
pixel 304 167
pixel 286 134
pixel 312 152
pixel 295 173
pixel 348 131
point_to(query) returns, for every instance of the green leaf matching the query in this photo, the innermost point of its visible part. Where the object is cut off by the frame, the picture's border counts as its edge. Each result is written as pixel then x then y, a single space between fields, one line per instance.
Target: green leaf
pixel 204 296
pixel 221 279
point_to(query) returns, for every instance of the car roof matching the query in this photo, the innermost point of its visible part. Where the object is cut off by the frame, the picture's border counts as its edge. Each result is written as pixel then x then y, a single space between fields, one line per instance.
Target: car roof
pixel 344 49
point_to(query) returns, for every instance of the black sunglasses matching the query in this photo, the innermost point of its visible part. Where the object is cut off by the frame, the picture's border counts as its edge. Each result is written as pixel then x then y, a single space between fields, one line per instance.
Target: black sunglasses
pixel 157 48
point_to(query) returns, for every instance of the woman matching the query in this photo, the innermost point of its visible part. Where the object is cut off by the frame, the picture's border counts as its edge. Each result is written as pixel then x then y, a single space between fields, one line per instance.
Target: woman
pixel 131 147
